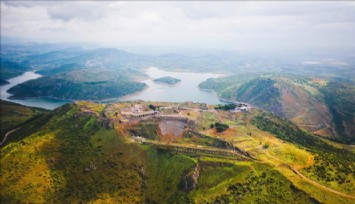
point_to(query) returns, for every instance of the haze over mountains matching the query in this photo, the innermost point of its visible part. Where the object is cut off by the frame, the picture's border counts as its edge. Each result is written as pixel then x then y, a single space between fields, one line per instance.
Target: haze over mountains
pixel 104 73
pixel 177 102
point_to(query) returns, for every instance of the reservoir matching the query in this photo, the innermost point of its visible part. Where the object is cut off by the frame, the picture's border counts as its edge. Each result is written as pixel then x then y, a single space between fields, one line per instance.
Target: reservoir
pixel 35 102
pixel 186 90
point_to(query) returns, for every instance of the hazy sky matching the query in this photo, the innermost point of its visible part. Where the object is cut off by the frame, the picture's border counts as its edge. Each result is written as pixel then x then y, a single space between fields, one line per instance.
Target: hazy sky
pixel 214 25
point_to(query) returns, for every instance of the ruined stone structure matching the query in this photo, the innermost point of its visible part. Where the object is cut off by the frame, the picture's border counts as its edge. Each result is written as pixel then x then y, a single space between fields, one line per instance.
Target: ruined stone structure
pixel 230 154
pixel 129 115
pixel 224 143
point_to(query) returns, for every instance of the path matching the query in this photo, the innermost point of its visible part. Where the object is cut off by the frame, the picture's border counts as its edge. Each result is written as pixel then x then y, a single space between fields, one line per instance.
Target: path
pixel 322 186
pixel 219 117
pixel 7 134
pixel 295 170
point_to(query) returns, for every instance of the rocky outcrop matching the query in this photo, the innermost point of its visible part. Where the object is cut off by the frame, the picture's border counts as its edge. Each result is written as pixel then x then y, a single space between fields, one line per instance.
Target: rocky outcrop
pixel 190 179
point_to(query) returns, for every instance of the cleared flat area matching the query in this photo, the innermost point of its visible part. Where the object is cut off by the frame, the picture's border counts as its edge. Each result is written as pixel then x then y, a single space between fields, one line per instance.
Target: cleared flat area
pixel 172 127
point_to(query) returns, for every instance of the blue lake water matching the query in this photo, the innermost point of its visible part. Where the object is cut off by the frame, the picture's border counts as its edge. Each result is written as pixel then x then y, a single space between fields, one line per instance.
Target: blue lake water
pixel 186 90
pixel 36 102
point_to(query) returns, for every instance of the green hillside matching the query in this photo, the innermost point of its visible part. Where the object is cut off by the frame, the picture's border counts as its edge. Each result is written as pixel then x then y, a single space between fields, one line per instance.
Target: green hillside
pixel 52 87
pixel 260 92
pixel 87 152
pixel 14 115
pixel 79 159
pixel 321 106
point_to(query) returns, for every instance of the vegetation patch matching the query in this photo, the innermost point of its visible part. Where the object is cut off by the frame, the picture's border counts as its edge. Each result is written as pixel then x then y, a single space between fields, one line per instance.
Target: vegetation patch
pixel 220 127
pixel 14 115
pixel 268 187
pixel 333 166
pixel 167 80
pixel 52 87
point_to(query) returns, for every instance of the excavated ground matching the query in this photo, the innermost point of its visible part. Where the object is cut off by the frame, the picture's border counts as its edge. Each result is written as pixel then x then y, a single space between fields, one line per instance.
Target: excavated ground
pixel 172 127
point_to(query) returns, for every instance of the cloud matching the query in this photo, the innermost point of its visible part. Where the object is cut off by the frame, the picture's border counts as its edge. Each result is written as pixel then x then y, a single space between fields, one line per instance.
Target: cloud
pixel 219 25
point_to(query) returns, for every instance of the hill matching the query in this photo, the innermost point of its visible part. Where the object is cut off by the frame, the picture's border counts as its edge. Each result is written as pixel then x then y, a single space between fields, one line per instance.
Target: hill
pixel 60 88
pixel 324 107
pixel 14 115
pixel 9 70
pixel 73 64
pixel 77 73
pixel 127 153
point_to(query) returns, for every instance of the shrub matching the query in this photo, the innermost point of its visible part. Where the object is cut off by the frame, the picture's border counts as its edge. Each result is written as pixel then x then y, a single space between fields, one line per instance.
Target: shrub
pixel 221 127
pixel 151 106
pixel 266 146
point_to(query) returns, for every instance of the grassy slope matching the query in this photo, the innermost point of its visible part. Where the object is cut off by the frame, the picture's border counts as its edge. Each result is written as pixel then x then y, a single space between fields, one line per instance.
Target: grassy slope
pixel 74 156
pixel 260 92
pixel 324 108
pixel 13 115
pixel 301 151
pixel 340 101
pixel 333 166
pixel 264 186
pixel 226 86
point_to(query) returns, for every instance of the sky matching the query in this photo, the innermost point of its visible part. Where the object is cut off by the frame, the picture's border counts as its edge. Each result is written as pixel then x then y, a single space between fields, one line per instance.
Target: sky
pixel 229 25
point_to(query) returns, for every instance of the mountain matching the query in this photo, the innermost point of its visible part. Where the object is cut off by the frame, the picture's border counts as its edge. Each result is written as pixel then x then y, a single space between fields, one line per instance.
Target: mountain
pixel 61 69
pixel 94 58
pixel 77 64
pixel 324 107
pixel 127 153
pixel 49 56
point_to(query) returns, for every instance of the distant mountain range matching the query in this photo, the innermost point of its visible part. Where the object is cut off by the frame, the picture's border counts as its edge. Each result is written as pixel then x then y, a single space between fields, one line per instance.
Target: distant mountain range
pixel 317 96
pixel 51 56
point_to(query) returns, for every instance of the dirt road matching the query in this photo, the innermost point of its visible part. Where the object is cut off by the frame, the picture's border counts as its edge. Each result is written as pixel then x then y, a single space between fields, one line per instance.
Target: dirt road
pixel 6 135
pixel 295 170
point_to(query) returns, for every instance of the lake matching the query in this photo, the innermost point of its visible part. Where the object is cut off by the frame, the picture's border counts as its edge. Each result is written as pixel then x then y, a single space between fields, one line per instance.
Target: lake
pixel 36 102
pixel 186 90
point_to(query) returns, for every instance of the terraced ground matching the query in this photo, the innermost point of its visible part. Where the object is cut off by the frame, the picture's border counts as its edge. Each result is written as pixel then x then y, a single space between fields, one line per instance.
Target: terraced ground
pixel 86 153
pixel 244 135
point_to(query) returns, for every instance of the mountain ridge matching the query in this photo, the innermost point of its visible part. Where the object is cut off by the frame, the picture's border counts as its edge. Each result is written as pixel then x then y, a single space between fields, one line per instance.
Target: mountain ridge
pixel 87 152
pixel 324 107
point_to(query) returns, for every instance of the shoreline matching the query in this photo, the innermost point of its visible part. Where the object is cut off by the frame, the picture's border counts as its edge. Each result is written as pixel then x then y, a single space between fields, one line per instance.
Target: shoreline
pixel 121 97
pixel 58 101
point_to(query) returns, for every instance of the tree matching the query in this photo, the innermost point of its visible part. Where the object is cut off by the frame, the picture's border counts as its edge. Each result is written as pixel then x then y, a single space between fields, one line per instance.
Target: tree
pixel 151 106
pixel 221 127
